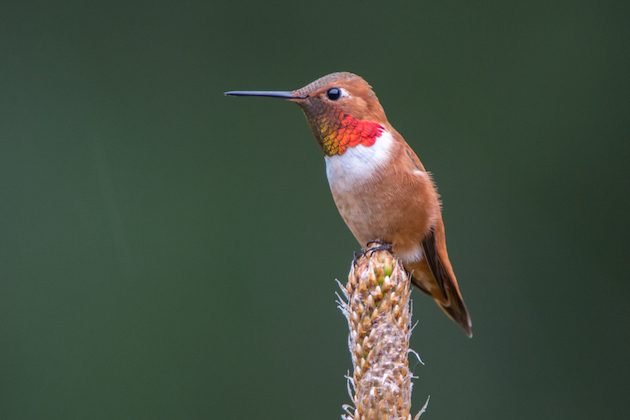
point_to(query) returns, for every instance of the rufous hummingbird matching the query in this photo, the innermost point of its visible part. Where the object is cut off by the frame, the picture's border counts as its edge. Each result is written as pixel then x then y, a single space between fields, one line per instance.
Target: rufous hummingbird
pixel 382 190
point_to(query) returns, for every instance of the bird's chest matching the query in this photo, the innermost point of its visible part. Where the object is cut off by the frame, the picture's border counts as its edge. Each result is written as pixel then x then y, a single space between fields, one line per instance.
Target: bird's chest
pixel 357 168
pixel 354 178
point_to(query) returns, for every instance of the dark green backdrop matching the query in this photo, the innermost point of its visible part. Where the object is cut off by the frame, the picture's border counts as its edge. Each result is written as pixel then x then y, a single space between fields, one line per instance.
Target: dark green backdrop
pixel 170 253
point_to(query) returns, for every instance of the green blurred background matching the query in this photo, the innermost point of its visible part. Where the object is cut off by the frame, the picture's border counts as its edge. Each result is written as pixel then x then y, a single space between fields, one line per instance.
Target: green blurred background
pixel 170 253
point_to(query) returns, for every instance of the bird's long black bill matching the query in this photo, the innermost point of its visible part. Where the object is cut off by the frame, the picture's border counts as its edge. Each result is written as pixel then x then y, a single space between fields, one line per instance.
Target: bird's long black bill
pixel 266 93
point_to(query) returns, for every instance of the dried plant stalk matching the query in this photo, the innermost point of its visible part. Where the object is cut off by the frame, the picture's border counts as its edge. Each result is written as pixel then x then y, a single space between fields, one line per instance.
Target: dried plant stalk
pixel 377 308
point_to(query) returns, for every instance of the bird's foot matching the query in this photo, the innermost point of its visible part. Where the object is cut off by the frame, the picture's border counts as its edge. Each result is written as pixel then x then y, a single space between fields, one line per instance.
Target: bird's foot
pixel 356 256
pixel 377 245
pixel 371 247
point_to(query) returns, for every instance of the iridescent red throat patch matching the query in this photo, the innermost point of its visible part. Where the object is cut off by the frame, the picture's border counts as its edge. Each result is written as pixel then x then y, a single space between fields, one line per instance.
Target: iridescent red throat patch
pixel 348 132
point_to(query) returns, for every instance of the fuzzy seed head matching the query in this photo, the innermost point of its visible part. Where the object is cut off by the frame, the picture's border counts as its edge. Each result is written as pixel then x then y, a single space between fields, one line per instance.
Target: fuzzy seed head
pixel 378 314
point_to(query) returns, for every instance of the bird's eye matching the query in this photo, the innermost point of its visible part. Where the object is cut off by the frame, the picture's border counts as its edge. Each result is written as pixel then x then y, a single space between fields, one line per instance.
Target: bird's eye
pixel 333 94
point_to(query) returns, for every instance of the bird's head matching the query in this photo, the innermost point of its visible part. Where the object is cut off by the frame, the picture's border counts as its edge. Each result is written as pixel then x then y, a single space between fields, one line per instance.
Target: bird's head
pixel 341 109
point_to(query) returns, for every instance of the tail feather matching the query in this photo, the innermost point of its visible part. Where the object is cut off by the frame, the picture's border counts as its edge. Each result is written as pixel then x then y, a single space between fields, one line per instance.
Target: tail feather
pixel 448 299
pixel 455 308
pixel 434 275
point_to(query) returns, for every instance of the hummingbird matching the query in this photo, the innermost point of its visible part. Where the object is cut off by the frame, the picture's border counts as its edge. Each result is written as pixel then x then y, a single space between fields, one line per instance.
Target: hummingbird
pixel 382 190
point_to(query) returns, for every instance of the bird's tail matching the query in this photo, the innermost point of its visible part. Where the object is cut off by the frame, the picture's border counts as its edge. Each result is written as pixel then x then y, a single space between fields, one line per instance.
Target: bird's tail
pixel 455 308
pixel 448 298
pixel 434 275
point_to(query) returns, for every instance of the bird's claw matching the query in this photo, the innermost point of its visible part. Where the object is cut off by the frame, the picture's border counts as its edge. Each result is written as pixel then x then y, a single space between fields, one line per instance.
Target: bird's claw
pixel 382 246
pixel 356 256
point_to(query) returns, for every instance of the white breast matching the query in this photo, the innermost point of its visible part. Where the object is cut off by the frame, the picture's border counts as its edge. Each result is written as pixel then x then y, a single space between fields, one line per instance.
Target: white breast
pixel 358 164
